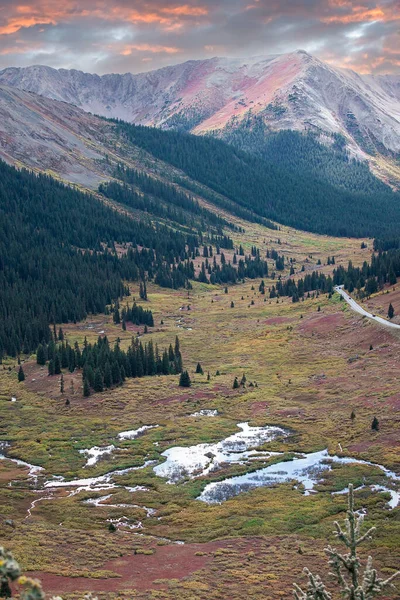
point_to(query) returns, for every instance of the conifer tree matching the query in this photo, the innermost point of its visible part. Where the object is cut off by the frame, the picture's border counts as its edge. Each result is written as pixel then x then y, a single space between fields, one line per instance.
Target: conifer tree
pixel 107 375
pixel 116 317
pixel 199 369
pixel 21 374
pixel 98 381
pixel 390 311
pixel 184 380
pixel 57 364
pixel 40 355
pixel 62 383
pixel 51 367
pixel 86 388
pixel 375 424
pixel 351 582
pixel 235 383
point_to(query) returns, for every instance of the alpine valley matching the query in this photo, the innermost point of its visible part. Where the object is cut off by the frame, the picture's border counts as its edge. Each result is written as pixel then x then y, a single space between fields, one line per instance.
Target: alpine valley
pixel 199 329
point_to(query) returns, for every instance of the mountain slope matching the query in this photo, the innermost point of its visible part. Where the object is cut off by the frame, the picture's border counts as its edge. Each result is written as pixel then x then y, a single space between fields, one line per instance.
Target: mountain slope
pixel 293 91
pixel 206 174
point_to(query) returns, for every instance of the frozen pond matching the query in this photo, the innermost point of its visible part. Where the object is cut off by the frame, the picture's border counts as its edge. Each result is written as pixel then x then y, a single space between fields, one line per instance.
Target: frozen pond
pixel 193 461
pixel 306 470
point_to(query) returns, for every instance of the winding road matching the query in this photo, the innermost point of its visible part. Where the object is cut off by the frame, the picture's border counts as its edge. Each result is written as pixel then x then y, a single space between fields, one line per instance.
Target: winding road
pixel 359 309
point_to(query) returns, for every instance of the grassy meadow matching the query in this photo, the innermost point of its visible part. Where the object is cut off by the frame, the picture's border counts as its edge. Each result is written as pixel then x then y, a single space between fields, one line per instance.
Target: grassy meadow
pixel 313 365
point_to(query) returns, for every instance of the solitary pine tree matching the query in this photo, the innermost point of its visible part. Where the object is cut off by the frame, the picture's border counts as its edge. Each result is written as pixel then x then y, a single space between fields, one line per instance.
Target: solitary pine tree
pixel 235 384
pixel 199 369
pixel 390 311
pixel 351 581
pixel 184 380
pixel 21 374
pixel 375 424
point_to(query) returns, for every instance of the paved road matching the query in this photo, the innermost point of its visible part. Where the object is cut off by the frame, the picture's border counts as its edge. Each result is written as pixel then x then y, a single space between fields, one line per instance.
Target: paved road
pixel 359 309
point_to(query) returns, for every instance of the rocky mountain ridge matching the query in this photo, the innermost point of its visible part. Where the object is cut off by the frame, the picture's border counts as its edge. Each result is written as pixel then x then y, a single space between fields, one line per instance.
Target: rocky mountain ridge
pixel 291 91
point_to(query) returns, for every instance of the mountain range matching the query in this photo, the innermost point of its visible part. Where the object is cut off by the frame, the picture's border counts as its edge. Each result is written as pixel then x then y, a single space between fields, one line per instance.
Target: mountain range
pixel 293 91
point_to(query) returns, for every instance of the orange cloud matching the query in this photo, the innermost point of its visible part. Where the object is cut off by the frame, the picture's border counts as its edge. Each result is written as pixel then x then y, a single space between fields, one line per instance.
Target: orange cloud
pixel 359 14
pixel 186 10
pixel 128 49
pixel 16 24
pixel 45 13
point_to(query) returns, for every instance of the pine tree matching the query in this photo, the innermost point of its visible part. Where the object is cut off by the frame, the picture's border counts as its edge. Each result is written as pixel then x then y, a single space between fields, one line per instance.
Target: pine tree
pixel 199 369
pixel 98 381
pixel 143 290
pixel 57 364
pixel 165 366
pixel 21 374
pixel 390 311
pixel 86 388
pixel 40 355
pixel 352 583
pixel 375 424
pixel 184 380
pixel 51 367
pixel 116 374
pixel 107 375
pixel 235 384
pixel 62 384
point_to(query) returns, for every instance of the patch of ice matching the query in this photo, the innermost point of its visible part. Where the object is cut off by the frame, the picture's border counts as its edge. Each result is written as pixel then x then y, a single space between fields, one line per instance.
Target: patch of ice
pixel 98 501
pixel 194 461
pixel 124 522
pixel 94 454
pixel 394 495
pixel 205 413
pixel 103 482
pixel 134 433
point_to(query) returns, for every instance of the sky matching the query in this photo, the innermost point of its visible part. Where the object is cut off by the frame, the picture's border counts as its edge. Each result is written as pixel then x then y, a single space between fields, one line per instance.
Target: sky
pixel 119 36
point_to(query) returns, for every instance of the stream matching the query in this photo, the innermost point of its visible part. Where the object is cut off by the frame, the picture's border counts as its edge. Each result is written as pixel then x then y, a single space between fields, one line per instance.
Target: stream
pixel 189 462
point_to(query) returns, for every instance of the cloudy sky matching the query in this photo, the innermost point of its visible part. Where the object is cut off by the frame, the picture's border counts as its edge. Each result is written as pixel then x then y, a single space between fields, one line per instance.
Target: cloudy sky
pixel 106 36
